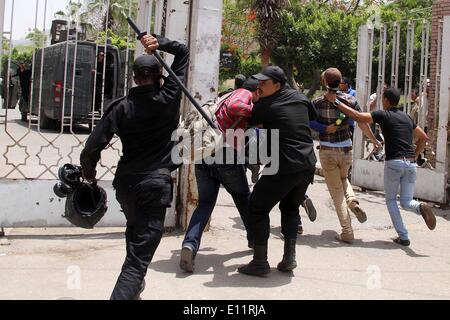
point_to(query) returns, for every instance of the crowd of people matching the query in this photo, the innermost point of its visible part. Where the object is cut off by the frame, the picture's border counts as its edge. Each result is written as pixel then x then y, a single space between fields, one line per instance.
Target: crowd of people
pixel 146 118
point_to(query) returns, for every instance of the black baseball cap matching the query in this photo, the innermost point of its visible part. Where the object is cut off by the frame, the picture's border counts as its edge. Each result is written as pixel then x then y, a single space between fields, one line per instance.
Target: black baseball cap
pixel 251 84
pixel 271 72
pixel 146 62
pixel 239 80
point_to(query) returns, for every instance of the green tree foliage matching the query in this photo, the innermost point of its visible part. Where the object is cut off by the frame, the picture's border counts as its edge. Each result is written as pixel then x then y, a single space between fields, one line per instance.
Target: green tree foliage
pixel 102 14
pixel 72 10
pixel 239 28
pixel 315 35
pixel 38 38
pixel 402 11
pixel 113 14
pixel 116 40
pixel 20 54
pixel 267 13
pixel 239 37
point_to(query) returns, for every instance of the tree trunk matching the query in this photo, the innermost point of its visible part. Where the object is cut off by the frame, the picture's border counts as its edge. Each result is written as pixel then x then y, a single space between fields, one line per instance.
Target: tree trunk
pixel 315 85
pixel 288 68
pixel 265 57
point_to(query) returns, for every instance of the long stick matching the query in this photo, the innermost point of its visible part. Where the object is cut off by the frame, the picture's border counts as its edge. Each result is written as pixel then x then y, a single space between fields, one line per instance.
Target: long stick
pixel 173 75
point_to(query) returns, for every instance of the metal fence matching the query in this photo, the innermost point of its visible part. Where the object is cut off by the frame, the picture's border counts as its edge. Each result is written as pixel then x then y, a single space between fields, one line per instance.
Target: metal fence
pixel 71 87
pixel 386 57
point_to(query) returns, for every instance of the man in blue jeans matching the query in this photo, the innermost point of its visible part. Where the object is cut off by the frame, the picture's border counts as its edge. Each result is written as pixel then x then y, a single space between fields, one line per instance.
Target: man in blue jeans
pixel 400 165
pixel 234 113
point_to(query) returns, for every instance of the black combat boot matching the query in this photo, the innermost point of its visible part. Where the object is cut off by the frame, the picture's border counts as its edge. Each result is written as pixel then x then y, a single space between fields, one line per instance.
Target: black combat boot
pixel 141 289
pixel 259 265
pixel 288 263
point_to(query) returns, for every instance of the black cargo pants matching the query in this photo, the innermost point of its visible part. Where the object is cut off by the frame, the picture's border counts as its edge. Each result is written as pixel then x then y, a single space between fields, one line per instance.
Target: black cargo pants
pixel 287 189
pixel 144 200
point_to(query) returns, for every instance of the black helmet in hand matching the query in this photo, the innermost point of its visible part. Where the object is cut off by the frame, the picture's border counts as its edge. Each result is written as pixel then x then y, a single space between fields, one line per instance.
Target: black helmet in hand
pixel 70 177
pixel 86 205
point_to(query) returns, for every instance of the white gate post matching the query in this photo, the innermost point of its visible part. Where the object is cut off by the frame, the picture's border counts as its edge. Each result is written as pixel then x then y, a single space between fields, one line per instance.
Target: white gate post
pixel 442 130
pixel 177 23
pixel 363 75
pixel 203 81
pixel 2 20
pixel 177 28
pixel 143 21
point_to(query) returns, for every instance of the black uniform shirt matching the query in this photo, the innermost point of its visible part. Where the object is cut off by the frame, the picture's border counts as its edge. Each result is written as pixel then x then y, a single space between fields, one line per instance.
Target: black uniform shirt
pixel 144 121
pixel 289 111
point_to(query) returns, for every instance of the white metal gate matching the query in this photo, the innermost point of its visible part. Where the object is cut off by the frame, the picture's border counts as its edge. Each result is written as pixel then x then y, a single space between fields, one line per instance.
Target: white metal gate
pixel 431 182
pixel 32 154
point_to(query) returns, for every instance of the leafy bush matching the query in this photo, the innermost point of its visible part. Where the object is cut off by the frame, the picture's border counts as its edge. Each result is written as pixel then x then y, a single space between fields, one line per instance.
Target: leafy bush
pixel 20 53
pixel 116 40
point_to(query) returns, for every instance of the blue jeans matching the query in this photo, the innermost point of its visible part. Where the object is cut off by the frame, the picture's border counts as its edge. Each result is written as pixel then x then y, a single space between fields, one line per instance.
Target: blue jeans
pixel 400 173
pixel 209 179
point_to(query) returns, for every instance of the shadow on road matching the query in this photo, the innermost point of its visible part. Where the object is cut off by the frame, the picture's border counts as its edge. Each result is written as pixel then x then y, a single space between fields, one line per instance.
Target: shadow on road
pixel 207 263
pixel 327 240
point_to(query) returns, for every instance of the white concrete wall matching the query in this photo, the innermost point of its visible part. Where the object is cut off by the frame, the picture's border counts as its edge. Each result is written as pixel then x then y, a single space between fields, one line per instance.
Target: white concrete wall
pixel 32 203
pixel 430 185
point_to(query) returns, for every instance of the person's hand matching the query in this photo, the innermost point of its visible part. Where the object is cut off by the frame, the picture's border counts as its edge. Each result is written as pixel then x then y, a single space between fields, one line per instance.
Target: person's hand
pixel 330 96
pixel 377 145
pixel 150 43
pixel 88 178
pixel 331 128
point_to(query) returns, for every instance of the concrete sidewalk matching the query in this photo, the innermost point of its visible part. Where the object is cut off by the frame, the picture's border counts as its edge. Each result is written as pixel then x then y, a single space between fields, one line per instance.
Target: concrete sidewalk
pixel 80 264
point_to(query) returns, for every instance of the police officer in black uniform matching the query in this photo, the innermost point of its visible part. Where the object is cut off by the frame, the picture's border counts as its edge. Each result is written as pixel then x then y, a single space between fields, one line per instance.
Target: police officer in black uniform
pixel 144 120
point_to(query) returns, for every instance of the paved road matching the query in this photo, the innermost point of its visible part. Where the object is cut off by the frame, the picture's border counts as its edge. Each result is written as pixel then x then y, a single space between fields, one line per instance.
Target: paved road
pixel 78 264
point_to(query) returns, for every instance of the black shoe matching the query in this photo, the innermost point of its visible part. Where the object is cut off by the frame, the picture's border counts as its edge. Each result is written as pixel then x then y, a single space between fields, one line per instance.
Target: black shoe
pixel 310 209
pixel 288 263
pixel 187 259
pixel 250 244
pixel 255 268
pixel 141 289
pixel 402 242
pixel 300 230
pixel 259 266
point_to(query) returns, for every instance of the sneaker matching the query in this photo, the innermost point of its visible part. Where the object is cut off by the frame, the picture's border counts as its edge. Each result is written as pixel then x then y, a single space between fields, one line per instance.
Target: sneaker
pixel 401 242
pixel 300 230
pixel 187 259
pixel 310 209
pixel 428 215
pixel 358 212
pixel 344 237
